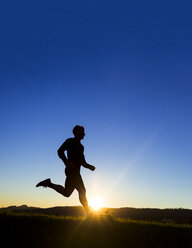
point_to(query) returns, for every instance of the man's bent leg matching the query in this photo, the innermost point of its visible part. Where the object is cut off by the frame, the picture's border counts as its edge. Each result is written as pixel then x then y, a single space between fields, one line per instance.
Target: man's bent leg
pixel 60 189
pixel 65 191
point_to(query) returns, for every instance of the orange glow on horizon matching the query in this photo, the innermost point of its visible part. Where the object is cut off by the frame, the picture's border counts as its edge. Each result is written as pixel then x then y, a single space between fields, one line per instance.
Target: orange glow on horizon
pixel 96 203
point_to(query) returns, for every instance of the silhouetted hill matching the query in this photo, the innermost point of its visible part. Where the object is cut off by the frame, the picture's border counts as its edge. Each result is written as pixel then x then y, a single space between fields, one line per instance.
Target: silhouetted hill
pixel 164 215
pixel 58 211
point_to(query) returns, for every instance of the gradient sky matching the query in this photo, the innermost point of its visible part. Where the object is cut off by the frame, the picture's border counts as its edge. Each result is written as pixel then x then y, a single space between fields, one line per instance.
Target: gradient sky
pixel 120 68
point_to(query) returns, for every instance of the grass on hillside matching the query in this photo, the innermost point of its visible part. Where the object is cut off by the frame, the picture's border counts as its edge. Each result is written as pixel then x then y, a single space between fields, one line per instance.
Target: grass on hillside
pixel 37 230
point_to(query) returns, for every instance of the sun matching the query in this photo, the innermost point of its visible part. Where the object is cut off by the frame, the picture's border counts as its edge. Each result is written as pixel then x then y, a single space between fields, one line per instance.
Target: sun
pixel 96 203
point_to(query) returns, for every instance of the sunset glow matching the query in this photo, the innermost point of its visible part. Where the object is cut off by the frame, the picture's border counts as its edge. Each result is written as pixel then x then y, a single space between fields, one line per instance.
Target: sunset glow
pixel 96 203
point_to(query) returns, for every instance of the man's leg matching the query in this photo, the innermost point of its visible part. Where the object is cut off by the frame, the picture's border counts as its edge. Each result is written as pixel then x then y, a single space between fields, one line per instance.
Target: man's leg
pixel 82 194
pixel 65 191
pixel 83 200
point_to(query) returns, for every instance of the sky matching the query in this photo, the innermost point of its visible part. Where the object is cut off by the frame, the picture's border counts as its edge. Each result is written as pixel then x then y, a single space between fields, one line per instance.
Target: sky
pixel 122 69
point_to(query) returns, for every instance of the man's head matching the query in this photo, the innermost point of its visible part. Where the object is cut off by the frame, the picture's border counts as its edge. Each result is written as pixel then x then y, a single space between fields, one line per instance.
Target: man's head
pixel 79 132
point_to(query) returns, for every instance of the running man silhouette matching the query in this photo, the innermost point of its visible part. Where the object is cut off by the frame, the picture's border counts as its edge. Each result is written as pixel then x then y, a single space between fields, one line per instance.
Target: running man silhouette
pixel 75 158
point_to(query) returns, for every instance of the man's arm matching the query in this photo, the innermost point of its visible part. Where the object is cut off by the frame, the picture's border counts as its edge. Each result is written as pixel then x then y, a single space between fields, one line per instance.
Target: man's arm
pixel 61 153
pixel 86 165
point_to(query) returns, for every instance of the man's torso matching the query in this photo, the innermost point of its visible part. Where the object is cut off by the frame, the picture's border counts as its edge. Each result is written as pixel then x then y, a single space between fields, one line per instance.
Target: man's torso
pixel 75 152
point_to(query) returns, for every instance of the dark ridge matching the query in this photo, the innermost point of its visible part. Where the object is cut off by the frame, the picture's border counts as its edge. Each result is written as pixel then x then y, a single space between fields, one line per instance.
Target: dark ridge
pixel 179 215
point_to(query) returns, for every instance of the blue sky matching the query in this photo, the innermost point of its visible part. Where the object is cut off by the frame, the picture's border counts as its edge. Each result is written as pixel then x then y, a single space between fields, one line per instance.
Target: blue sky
pixel 120 68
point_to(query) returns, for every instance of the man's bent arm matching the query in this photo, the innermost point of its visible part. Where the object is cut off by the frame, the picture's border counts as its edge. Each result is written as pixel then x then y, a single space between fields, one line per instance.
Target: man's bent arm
pixel 86 165
pixel 61 153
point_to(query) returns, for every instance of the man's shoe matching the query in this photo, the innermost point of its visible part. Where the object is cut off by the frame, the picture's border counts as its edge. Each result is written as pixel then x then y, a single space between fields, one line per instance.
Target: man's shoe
pixel 45 183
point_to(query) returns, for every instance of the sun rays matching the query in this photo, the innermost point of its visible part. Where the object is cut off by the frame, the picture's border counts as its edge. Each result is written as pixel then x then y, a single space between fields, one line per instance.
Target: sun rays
pixel 96 203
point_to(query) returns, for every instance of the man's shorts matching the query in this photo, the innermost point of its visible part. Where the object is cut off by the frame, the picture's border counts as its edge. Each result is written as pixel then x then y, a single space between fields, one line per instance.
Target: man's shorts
pixel 74 181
